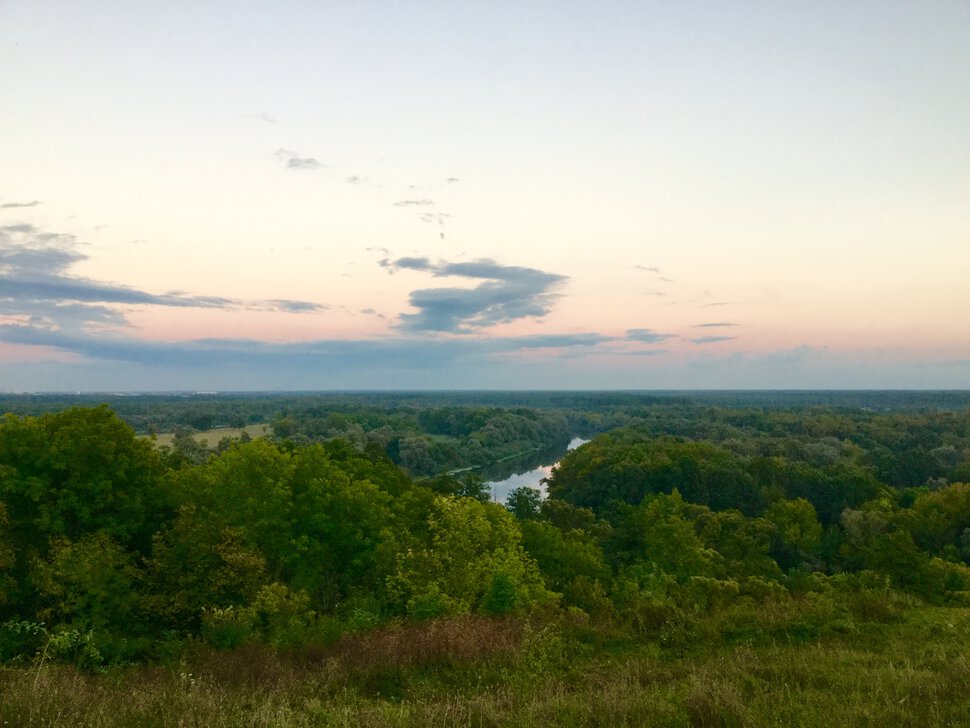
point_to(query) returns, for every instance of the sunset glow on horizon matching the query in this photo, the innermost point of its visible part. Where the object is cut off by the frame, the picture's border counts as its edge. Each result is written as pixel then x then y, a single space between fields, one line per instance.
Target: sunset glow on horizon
pixel 298 196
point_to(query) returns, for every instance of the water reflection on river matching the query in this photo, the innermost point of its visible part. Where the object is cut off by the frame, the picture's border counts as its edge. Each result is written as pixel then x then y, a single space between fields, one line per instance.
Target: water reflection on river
pixel 531 476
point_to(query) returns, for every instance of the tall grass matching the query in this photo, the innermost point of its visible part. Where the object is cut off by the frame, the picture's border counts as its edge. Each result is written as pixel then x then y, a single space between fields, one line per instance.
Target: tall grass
pixel 913 671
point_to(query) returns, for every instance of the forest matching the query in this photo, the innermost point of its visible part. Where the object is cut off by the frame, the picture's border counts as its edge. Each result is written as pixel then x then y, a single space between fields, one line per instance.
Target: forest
pixel 705 559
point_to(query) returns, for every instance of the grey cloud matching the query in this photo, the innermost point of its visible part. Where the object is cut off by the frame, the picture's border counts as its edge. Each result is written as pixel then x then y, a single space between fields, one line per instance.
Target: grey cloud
pixel 647 336
pixel 648 268
pixel 711 339
pixel 487 268
pixel 49 288
pixel 12 205
pixel 121 348
pixel 482 268
pixel 292 160
pixel 37 260
pixel 717 303
pixel 714 325
pixel 283 304
pixel 353 180
pixel 47 314
pixel 460 310
pixel 424 202
pixel 263 116
pixel 35 283
pixel 507 293
pixel 554 341
pixel 451 180
pixel 407 263
pixel 640 352
pixel 325 356
pixel 23 228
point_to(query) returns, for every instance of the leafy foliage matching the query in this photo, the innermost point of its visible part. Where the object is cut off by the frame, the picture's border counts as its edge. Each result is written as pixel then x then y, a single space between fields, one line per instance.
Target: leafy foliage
pixel 115 550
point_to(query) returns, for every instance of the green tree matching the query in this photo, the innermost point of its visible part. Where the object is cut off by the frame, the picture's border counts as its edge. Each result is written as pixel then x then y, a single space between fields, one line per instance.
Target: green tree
pixel 196 564
pixel 67 476
pixel 469 545
pixel 524 502
pixel 798 534
pixel 571 563
pixel 73 473
pixel 92 585
pixel 660 534
pixel 318 529
pixel 938 518
pixel 8 560
pixel 742 544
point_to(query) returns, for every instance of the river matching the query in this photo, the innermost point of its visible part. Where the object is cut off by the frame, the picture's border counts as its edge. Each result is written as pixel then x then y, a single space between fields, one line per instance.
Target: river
pixel 530 477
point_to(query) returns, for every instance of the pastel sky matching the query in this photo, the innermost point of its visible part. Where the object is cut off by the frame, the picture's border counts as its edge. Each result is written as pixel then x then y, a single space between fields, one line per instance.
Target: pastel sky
pixel 318 195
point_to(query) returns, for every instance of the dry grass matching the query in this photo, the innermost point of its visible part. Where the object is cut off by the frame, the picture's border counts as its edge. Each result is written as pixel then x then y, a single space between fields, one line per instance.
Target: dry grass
pixel 212 437
pixel 454 640
pixel 480 672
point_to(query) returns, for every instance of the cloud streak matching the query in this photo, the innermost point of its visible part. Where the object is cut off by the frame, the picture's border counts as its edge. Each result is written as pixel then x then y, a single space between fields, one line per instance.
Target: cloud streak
pixel 14 205
pixel 325 356
pixel 36 285
pixel 287 306
pixel 647 336
pixel 711 339
pixel 292 160
pixel 507 293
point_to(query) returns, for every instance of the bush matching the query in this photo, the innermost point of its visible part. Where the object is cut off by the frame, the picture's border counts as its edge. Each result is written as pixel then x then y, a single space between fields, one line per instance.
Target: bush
pixel 21 639
pixel 501 595
pixel 431 603
pixel 76 647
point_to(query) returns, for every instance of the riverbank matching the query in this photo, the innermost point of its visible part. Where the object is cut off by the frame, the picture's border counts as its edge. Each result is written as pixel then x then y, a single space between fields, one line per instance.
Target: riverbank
pixel 530 478
pixel 513 456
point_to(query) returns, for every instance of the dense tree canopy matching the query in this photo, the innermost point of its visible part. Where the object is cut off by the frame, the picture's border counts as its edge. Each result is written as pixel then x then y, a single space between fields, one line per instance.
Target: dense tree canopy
pixel 288 539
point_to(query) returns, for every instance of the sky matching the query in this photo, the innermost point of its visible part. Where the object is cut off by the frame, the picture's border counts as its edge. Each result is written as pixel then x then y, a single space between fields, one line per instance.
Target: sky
pixel 228 196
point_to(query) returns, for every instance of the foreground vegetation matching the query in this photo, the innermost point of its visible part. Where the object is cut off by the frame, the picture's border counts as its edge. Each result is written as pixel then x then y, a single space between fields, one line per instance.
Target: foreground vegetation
pixel 909 671
pixel 697 565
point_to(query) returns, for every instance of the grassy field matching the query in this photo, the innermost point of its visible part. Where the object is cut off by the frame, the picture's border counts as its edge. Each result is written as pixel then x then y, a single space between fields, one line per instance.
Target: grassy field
pixel 213 436
pixel 911 671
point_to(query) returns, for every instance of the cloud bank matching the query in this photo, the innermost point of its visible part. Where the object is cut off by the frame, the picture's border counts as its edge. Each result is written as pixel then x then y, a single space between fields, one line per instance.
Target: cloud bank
pixel 36 286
